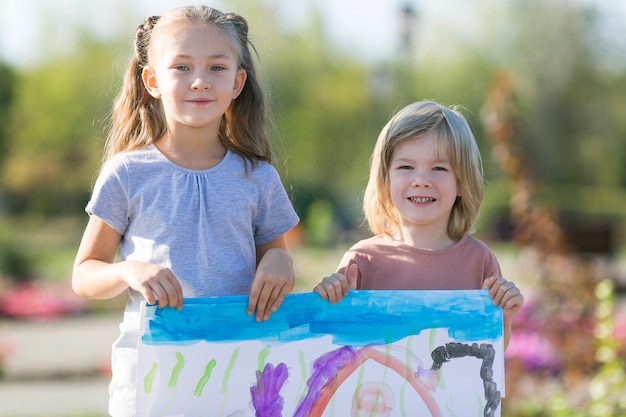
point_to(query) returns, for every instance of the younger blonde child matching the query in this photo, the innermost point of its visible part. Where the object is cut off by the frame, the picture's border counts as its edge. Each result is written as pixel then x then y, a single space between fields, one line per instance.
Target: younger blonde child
pixel 422 199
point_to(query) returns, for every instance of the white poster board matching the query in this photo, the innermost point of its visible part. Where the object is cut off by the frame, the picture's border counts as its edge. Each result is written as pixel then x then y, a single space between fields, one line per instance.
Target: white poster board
pixel 376 353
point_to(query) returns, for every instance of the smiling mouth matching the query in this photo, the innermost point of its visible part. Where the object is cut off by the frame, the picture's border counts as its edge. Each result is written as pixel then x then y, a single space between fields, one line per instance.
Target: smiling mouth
pixel 422 199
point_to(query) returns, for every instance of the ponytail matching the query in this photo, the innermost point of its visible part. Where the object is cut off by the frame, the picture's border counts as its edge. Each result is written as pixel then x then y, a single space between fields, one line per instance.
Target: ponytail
pixel 137 119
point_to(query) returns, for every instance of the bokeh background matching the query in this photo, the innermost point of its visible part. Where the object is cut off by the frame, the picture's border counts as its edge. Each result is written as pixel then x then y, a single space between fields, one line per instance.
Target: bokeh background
pixel 542 83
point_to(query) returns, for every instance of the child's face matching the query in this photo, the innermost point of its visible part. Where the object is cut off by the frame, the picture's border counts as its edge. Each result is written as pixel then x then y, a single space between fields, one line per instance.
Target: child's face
pixel 194 71
pixel 422 184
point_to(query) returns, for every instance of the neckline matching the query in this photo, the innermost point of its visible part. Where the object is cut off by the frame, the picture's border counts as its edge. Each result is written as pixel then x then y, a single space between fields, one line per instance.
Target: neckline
pixel 423 250
pixel 162 156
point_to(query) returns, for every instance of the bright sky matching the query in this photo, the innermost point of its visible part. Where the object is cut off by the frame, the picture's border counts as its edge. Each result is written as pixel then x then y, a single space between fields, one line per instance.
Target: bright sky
pixel 30 28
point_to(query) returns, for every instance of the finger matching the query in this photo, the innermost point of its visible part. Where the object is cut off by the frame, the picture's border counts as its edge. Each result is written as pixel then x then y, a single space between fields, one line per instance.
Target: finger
pixel 160 294
pixel 174 297
pixel 321 291
pixel 149 296
pixel 274 301
pixel 496 294
pixel 338 284
pixel 488 283
pixel 262 303
pixel 494 285
pixel 334 289
pixel 515 301
pixel 353 275
pixel 279 300
pixel 259 298
pixel 506 291
pixel 512 307
pixel 178 291
pixel 146 291
pixel 181 298
pixel 253 298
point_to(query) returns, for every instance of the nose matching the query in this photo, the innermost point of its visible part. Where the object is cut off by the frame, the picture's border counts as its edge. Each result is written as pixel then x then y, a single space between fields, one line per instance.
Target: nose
pixel 421 178
pixel 200 83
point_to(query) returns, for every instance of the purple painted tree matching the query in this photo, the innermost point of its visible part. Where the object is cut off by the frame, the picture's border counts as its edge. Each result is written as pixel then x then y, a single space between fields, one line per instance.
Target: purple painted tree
pixel 266 398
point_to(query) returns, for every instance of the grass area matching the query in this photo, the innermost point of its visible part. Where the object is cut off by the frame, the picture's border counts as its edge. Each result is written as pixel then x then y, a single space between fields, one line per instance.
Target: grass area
pixel 313 264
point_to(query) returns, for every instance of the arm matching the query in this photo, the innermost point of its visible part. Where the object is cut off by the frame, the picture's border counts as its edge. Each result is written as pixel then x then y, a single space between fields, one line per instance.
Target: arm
pixel 273 280
pixel 97 276
pixel 507 296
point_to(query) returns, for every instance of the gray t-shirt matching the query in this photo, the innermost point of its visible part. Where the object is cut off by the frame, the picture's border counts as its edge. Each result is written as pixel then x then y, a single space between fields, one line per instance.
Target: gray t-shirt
pixel 202 224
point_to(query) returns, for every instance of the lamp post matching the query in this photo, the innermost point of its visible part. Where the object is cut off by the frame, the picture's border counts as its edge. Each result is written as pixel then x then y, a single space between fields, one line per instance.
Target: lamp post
pixel 407 19
pixel 406 56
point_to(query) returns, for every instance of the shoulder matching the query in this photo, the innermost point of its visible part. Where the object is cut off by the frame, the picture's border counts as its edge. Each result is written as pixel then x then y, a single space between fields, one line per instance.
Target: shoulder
pixel 376 245
pixel 125 160
pixel 473 248
pixel 266 176
pixel 470 242
pixel 369 243
pixel 265 169
pixel 261 170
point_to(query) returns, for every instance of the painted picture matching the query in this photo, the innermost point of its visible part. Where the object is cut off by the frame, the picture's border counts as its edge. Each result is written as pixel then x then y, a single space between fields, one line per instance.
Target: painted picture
pixel 374 354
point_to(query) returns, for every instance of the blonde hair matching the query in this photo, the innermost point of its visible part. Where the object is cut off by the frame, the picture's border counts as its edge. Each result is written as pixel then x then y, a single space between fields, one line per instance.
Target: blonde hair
pixel 138 120
pixel 454 137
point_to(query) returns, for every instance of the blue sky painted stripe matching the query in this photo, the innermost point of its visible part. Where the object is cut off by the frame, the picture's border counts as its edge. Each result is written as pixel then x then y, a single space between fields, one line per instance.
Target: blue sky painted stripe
pixel 360 319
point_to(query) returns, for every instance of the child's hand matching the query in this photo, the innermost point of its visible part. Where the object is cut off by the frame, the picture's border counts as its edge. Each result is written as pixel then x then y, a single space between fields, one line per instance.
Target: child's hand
pixel 155 283
pixel 505 295
pixel 335 287
pixel 273 280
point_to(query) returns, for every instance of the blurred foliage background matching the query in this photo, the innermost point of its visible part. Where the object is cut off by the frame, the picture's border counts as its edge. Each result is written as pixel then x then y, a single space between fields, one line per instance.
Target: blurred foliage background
pixel 329 105
pixel 565 75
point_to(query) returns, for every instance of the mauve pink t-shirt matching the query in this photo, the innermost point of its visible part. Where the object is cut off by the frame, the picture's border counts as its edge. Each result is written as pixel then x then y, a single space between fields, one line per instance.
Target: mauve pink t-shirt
pixel 386 264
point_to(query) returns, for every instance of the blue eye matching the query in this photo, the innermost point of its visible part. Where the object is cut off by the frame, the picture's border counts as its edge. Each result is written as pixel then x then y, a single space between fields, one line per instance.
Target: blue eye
pixel 182 67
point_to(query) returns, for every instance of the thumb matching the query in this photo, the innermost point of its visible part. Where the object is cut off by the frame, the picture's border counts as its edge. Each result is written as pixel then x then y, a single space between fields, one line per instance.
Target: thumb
pixel 488 283
pixel 352 275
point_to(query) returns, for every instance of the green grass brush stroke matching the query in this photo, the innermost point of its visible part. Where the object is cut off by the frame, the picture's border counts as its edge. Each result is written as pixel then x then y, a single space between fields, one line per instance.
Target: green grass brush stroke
pixel 431 339
pixel 149 379
pixel 229 369
pixel 205 377
pixel 409 349
pixel 451 411
pixel 261 359
pixel 180 364
pixel 303 369
pixel 402 406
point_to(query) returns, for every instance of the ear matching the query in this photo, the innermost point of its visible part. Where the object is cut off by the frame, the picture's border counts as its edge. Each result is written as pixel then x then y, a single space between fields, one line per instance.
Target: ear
pixel 240 81
pixel 150 82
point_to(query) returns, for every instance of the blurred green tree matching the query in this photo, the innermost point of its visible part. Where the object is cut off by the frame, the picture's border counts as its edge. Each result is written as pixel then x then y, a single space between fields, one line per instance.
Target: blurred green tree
pixel 321 105
pixel 52 151
pixel 7 80
pixel 569 99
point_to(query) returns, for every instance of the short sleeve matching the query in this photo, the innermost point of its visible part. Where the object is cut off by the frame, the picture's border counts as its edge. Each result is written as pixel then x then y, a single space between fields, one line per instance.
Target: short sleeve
pixel 109 199
pixel 492 267
pixel 275 214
